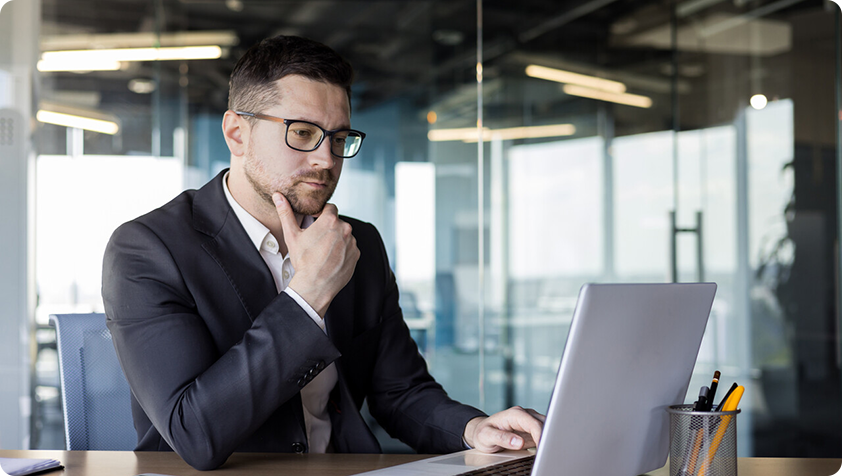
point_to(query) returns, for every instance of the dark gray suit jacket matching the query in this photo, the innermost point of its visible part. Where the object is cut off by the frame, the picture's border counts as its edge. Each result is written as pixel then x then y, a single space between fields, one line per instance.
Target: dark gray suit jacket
pixel 216 358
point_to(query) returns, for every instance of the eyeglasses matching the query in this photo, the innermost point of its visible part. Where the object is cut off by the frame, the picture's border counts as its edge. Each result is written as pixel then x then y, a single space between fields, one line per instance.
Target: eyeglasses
pixel 305 136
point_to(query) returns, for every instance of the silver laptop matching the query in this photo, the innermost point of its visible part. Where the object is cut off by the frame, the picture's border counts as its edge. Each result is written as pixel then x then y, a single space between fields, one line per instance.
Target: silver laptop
pixel 629 354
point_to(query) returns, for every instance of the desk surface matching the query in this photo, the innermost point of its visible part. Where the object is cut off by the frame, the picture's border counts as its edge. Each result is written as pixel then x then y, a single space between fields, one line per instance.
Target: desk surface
pixel 128 463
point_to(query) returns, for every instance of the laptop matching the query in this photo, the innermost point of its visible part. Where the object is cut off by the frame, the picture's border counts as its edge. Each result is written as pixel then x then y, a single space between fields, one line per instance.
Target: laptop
pixel 630 353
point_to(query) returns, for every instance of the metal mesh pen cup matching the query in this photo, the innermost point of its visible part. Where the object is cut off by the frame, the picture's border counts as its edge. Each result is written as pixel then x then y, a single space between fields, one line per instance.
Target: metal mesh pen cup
pixel 702 443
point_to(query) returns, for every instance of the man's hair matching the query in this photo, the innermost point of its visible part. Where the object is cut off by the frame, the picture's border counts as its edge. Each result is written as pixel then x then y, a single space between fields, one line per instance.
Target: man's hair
pixel 252 83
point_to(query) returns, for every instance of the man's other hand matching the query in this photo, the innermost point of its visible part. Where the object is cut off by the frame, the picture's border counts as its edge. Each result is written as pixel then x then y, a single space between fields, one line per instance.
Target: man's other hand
pixel 513 429
pixel 324 255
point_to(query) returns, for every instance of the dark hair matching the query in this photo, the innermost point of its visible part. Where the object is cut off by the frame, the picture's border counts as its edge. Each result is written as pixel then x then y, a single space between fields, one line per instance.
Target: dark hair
pixel 252 81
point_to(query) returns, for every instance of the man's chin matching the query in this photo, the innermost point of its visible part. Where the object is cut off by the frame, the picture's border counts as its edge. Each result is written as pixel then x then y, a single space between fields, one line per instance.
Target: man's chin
pixel 307 207
pixel 309 203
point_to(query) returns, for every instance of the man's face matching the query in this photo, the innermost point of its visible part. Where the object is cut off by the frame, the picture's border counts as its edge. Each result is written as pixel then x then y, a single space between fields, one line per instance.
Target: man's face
pixel 306 179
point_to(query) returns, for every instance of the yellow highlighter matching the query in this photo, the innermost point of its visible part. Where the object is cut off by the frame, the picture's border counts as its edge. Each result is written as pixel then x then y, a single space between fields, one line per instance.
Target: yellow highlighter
pixel 728 406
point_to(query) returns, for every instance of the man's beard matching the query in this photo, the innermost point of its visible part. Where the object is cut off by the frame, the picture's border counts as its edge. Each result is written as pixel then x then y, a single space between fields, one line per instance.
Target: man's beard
pixel 298 199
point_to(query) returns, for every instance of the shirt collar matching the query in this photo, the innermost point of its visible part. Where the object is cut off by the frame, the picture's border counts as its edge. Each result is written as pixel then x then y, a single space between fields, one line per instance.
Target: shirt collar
pixel 259 235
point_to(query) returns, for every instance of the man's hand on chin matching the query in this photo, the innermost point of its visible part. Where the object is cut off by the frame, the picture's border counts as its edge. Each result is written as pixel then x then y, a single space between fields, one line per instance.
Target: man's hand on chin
pixel 324 255
pixel 513 429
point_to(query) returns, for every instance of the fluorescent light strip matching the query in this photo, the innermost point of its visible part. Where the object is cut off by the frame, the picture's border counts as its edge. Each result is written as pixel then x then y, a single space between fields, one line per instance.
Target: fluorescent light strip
pixel 84 59
pixel 444 135
pixel 80 122
pixel 567 77
pixel 619 98
pixel 86 41
pixel 469 134
pixel 49 66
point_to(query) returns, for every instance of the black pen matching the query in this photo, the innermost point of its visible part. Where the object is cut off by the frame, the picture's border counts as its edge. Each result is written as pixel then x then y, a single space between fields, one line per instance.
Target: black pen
pixel 712 391
pixel 725 398
pixel 701 403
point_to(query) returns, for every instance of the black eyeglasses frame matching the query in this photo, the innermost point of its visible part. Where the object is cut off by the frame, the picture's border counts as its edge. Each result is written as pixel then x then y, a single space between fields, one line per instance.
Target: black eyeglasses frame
pixel 325 132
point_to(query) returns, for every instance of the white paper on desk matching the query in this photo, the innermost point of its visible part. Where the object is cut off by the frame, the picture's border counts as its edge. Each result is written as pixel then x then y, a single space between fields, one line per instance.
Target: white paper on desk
pixel 22 466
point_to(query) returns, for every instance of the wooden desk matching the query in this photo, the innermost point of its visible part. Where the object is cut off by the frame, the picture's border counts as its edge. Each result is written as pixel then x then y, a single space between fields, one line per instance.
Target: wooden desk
pixel 128 463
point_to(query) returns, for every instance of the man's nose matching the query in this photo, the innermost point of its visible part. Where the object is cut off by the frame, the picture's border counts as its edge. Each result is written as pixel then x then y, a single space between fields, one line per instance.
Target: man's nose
pixel 321 157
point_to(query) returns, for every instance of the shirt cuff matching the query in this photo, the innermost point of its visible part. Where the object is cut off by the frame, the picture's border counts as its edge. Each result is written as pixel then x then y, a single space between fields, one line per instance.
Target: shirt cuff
pixel 307 308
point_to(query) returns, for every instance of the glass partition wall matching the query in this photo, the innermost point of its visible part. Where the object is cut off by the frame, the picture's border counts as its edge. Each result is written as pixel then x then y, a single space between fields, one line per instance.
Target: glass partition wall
pixel 514 152
pixel 682 141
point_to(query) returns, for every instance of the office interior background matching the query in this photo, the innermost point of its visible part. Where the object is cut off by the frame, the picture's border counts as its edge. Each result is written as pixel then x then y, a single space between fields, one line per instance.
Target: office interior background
pixel 697 140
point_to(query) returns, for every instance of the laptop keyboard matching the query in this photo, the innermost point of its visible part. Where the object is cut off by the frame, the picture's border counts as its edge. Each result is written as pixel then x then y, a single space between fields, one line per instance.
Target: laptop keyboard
pixel 515 467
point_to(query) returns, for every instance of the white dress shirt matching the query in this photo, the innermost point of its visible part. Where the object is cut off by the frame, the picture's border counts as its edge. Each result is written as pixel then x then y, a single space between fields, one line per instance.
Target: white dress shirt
pixel 315 395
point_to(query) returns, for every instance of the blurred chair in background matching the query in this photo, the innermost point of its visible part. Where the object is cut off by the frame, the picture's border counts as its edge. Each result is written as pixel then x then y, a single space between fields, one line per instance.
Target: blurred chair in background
pixel 95 396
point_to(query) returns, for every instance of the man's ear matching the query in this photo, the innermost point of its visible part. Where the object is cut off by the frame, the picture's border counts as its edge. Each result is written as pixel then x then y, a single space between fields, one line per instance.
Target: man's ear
pixel 236 131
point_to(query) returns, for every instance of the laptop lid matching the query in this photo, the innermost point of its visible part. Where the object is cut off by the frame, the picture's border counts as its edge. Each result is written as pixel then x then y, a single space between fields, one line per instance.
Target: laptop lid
pixel 630 353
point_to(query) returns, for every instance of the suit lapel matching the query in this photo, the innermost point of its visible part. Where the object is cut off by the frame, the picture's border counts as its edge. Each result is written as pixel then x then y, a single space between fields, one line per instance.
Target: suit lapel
pixel 231 248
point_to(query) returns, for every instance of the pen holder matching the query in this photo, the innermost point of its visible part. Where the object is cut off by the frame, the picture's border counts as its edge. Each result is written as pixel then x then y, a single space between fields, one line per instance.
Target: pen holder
pixel 702 443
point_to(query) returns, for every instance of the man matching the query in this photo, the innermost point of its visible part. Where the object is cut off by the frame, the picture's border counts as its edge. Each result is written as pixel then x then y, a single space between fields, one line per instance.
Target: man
pixel 249 316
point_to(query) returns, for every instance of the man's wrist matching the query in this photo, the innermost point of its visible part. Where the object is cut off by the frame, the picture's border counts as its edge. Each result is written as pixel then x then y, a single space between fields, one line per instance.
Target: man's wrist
pixel 306 306
pixel 470 429
pixel 314 299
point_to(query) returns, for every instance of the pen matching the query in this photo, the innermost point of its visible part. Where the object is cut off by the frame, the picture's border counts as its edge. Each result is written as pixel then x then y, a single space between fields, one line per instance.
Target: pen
pixel 725 398
pixel 712 391
pixel 727 406
pixel 692 454
pixel 701 403
pixel 694 449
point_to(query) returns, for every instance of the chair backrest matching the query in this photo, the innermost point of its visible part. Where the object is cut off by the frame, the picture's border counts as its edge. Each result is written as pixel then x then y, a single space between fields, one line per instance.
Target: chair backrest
pixel 95 396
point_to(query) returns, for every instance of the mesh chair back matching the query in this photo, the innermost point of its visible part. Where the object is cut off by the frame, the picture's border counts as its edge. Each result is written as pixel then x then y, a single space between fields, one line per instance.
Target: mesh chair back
pixel 94 393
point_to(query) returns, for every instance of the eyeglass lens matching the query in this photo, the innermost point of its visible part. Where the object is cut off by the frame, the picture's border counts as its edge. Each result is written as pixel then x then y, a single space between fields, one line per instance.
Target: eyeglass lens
pixel 305 137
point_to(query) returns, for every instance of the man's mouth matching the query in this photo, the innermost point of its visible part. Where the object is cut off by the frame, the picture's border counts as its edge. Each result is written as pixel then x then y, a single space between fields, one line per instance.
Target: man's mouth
pixel 318 185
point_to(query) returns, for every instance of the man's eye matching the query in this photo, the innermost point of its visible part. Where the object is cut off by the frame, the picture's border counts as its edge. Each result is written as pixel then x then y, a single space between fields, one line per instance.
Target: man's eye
pixel 303 133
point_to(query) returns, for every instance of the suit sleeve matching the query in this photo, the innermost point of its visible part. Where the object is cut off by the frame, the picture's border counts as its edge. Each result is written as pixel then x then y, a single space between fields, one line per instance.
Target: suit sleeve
pixel 202 403
pixel 404 398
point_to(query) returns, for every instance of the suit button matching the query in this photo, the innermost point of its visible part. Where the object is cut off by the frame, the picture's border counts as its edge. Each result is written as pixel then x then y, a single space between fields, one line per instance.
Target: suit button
pixel 312 372
pixel 321 365
pixel 298 447
pixel 302 382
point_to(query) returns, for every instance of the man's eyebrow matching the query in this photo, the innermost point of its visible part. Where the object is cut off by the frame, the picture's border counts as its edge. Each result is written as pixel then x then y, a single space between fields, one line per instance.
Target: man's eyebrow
pixel 344 125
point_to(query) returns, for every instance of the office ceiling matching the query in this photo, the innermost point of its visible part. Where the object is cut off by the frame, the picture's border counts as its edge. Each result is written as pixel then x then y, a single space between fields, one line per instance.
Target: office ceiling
pixel 421 49
pixel 395 46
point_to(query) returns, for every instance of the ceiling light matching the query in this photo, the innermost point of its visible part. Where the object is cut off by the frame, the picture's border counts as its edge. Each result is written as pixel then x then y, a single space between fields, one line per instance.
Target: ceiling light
pixel 88 60
pixel 79 122
pixel 758 101
pixel 448 37
pixel 62 65
pixel 90 41
pixel 469 134
pixel 444 135
pixel 560 76
pixel 234 5
pixel 142 86
pixel 619 98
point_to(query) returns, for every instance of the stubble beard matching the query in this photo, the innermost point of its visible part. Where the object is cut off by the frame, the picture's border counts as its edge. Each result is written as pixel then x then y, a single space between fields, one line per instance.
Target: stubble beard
pixel 302 202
